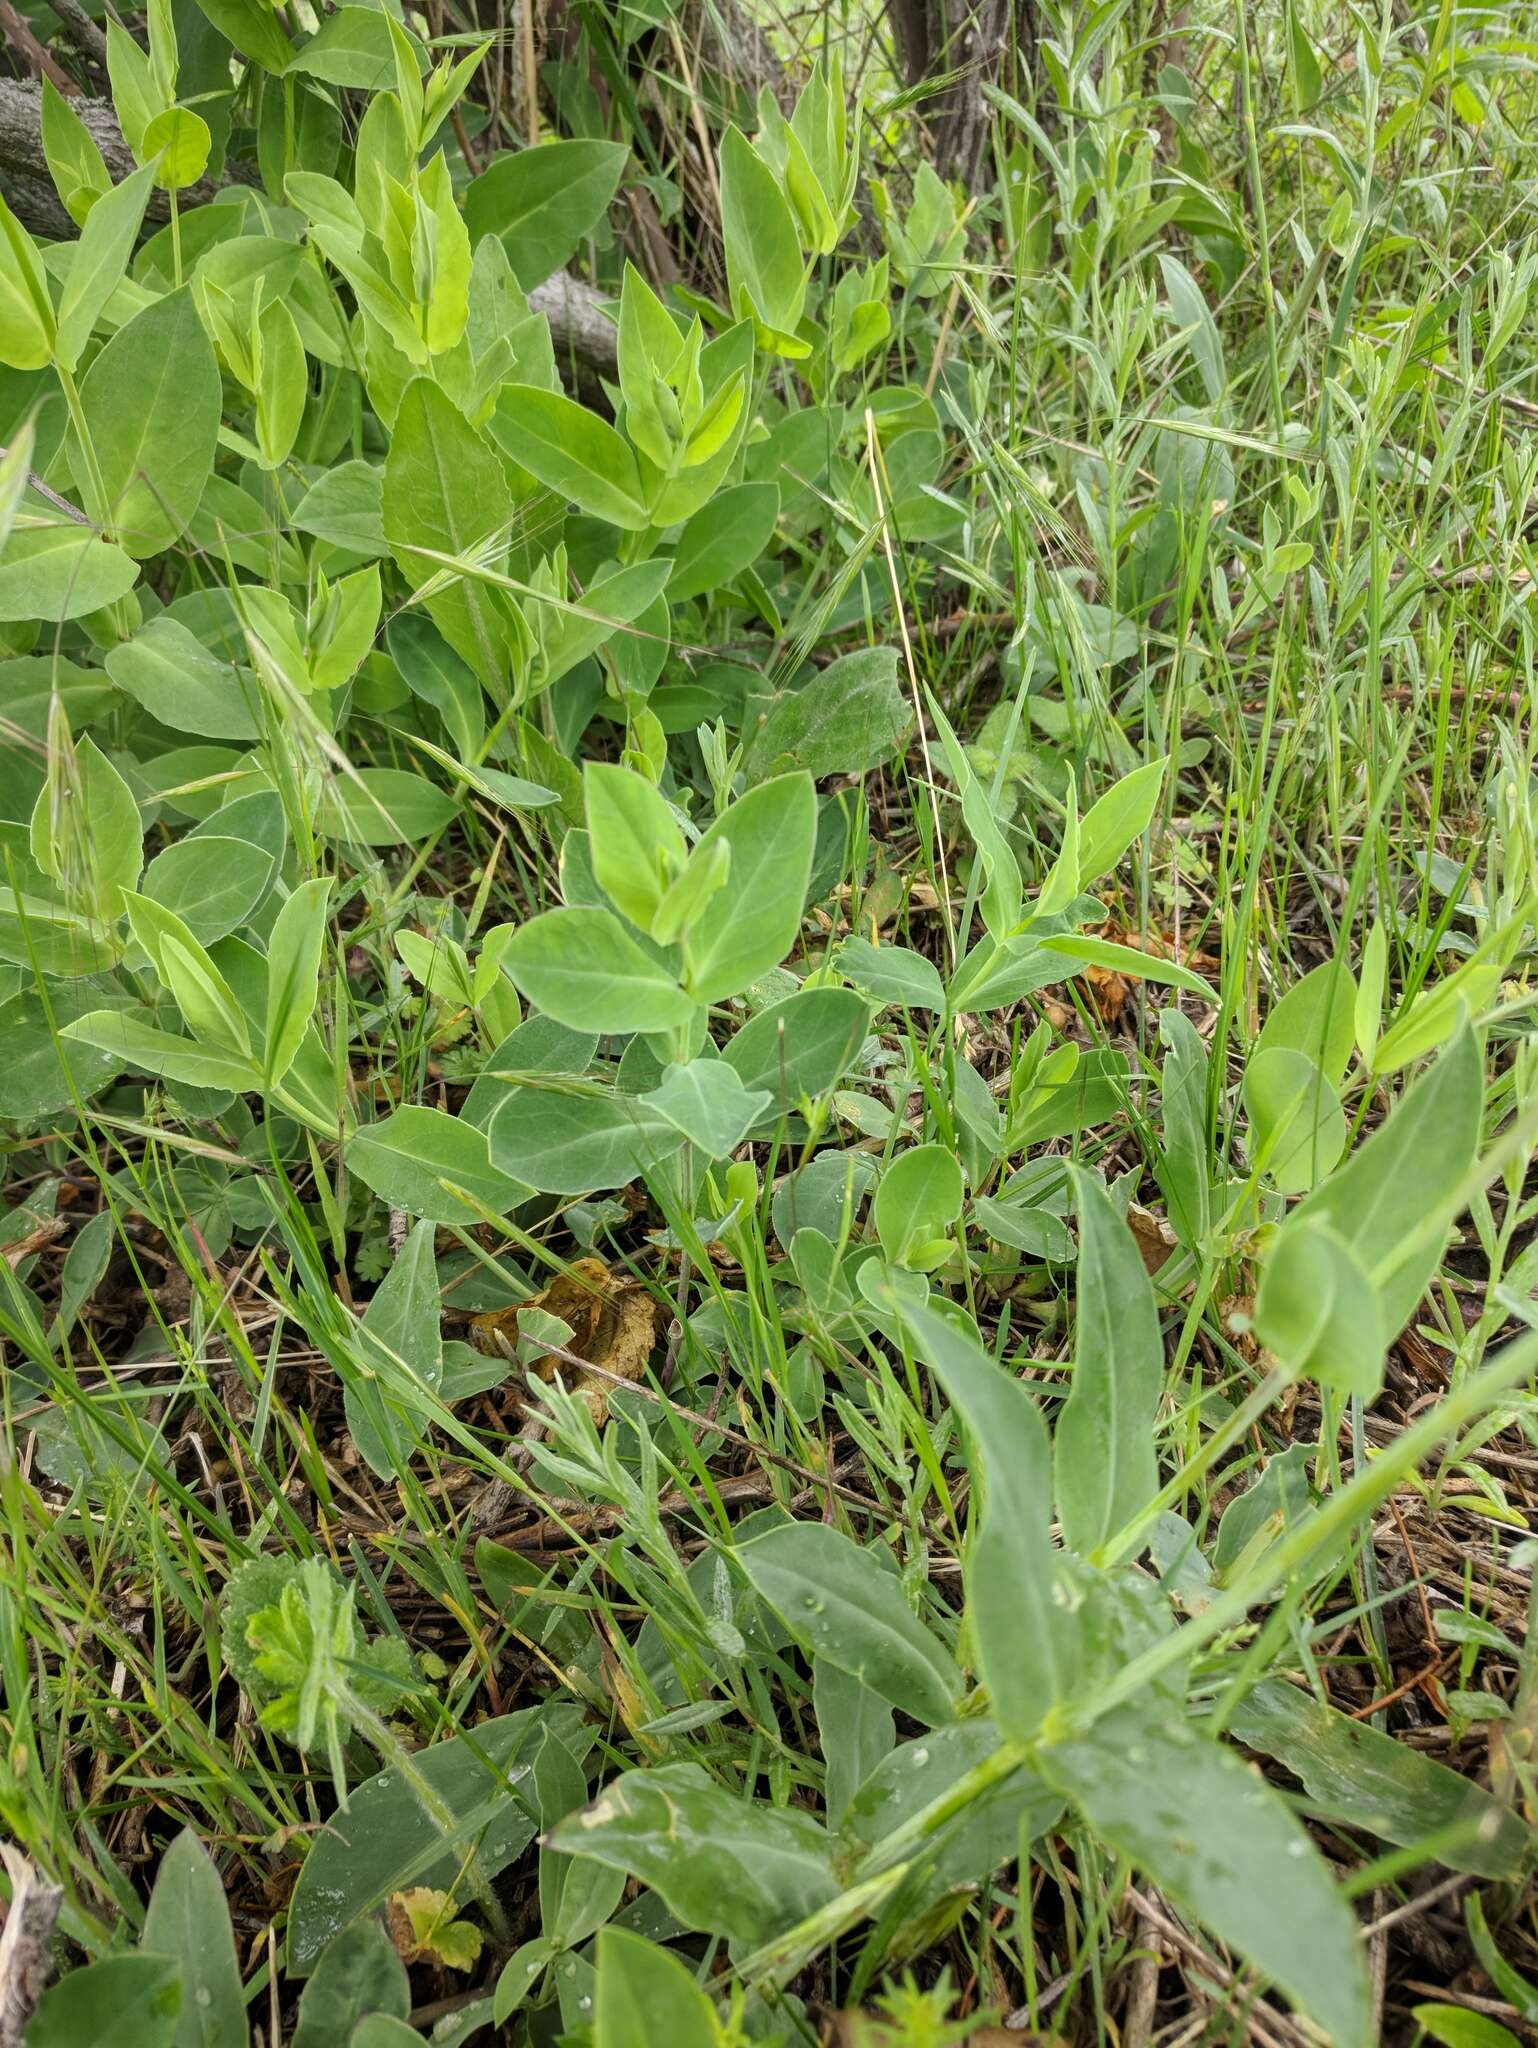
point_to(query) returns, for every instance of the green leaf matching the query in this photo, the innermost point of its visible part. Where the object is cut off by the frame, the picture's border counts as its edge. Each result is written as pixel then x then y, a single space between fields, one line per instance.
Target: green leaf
pixel 543 203
pixel 283 390
pixel 178 142
pixel 293 974
pixel 1104 1467
pixel 646 1995
pixel 764 269
pixel 581 967
pixel 626 597
pixel 352 47
pixel 39 1075
pixel 213 885
pixel 482 1778
pixel 1509 1982
pixel 1432 1016
pixel 75 161
pixel 568 1143
pixel 1092 952
pixel 359 1973
pixel 1393 1200
pixel 151 401
pixel 188 1921
pixel 1318 1309
pixel 415 1157
pixel 892 974
pixel 847 1608
pixel 986 1833
pixel 137 93
pixel 1183 1168
pixel 135 1044
pixel 725 1865
pixel 1021 1603
pixel 173 675
pixel 15 475
pixel 843 720
pixel 707 1102
pixel 26 309
pixel 917 1202
pixel 636 841
pixel 345 505
pixel 253 29
pixel 86 831
pixel 722 539
pixel 855 1732
pixel 1214 1835
pixel 1316 1017
pixel 1189 311
pixel 435 673
pixel 1121 816
pixel 1024 1227
pixel 1362 1778
pixel 109 2003
pixel 56 940
pixel 1456 2027
pixel 406 1313
pixel 61 572
pixel 574 452
pixel 444 490
pixel 384 2030
pixel 383 807
pixel 1298 1129
pixel 100 261
pixel 801 1047
pixel 751 923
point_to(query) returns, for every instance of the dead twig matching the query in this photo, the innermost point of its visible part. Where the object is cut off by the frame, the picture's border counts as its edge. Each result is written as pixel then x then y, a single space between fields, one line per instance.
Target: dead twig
pixel 25 1944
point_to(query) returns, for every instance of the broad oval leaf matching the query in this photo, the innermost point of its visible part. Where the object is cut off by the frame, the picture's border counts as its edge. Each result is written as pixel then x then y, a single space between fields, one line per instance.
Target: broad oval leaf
pixel 581 967
pixel 917 1201
pixel 799 1047
pixel 646 1995
pixel 893 974
pixel 730 1866
pixel 383 1841
pixel 1298 1129
pixel 574 452
pixel 60 572
pixel 173 675
pixel 543 203
pixel 1212 1833
pixel 843 720
pixel 212 884
pixel 415 1158
pixel 849 1610
pixel 151 402
pixel 751 923
pixel 444 499
pixel 566 1142
pixel 117 1999
pixel 383 807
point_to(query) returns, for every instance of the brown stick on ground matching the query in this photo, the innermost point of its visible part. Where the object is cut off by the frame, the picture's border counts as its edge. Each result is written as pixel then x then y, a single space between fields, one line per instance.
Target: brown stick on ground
pixel 24 1944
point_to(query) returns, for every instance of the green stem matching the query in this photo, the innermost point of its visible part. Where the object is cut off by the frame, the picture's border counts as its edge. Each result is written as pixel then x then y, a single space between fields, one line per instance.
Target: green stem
pixel 95 491
pixel 389 1747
